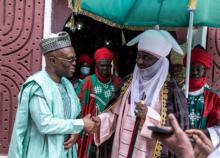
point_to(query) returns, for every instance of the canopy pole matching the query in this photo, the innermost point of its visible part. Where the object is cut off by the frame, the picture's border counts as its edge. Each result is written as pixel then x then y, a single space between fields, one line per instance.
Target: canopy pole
pixel 189 46
pixel 191 8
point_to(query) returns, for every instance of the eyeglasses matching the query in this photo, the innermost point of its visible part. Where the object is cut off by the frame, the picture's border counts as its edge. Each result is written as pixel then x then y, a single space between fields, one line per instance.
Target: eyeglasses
pixel 67 60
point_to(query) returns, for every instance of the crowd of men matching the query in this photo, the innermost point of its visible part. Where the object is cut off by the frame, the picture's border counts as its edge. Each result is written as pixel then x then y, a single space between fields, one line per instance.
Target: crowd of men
pixel 101 115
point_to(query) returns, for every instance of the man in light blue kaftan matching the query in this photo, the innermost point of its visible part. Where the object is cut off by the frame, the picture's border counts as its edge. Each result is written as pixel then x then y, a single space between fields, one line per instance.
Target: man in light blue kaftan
pixel 48 106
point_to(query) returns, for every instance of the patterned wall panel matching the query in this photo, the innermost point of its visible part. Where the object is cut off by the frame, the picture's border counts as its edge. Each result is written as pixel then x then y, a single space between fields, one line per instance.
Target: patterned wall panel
pixel 21 27
pixel 213 47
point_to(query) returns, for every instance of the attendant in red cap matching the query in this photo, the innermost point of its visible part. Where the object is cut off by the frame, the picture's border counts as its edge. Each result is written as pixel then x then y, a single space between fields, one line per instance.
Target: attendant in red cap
pixel 94 94
pixel 203 101
pixel 85 68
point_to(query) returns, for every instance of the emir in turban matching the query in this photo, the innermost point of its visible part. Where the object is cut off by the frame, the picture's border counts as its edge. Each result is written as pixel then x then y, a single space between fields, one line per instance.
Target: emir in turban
pixel 147 83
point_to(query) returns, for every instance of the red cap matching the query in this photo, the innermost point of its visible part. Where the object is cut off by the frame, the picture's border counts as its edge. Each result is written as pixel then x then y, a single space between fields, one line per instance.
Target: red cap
pixel 199 56
pixel 103 53
pixel 85 58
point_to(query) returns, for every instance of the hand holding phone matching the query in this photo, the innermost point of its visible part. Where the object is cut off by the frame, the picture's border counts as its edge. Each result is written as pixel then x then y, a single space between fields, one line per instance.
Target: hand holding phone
pixel 161 130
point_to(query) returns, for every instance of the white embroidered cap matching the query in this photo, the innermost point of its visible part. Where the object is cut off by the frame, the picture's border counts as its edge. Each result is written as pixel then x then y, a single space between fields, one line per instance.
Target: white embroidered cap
pixel 55 41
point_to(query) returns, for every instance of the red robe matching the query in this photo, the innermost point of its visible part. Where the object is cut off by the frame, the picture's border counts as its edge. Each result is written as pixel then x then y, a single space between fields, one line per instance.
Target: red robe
pixel 211 107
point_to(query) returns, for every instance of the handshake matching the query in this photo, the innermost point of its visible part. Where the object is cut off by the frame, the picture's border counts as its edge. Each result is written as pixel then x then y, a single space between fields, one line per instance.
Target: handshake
pixel 91 124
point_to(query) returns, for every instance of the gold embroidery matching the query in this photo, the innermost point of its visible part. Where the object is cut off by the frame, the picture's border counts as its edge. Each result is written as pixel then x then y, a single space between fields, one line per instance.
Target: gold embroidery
pixel 164 95
pixel 126 85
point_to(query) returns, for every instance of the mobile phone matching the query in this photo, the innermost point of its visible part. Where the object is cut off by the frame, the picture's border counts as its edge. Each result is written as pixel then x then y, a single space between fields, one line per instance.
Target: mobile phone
pixel 160 130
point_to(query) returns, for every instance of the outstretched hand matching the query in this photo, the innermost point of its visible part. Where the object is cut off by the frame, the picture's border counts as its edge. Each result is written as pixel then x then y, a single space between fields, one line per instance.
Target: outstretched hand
pixel 97 121
pixel 178 142
pixel 89 124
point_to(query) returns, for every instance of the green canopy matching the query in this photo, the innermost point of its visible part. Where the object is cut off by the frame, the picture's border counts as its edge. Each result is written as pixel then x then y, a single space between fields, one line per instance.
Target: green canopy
pixel 140 14
pixel 148 13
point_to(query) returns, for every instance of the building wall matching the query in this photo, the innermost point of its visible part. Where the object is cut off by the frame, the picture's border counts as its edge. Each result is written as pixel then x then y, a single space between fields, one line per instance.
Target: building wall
pixel 21 29
pixel 60 14
pixel 213 47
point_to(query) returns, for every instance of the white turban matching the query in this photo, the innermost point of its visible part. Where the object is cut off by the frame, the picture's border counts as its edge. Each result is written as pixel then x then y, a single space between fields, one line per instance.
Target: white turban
pixel 157 42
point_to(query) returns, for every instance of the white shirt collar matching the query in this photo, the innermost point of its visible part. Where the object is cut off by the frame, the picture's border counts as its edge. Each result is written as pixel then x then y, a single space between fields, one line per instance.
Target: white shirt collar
pixel 199 91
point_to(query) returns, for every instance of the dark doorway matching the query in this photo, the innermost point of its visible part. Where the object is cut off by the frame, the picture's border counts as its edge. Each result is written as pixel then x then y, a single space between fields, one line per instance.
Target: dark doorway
pixel 87 35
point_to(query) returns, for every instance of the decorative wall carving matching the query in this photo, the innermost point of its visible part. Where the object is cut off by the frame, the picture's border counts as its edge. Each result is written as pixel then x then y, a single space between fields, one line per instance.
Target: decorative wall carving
pixel 213 47
pixel 21 28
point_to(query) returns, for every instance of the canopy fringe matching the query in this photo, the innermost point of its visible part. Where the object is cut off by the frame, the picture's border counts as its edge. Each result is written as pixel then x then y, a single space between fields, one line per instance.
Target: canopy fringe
pixel 76 8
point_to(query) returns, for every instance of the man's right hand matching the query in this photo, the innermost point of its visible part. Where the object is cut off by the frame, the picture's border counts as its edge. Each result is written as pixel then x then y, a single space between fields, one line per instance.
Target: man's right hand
pixel 97 121
pixel 89 124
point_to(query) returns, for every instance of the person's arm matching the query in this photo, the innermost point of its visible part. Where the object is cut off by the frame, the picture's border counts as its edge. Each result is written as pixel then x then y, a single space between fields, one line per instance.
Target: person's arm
pixel 106 124
pixel 47 123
